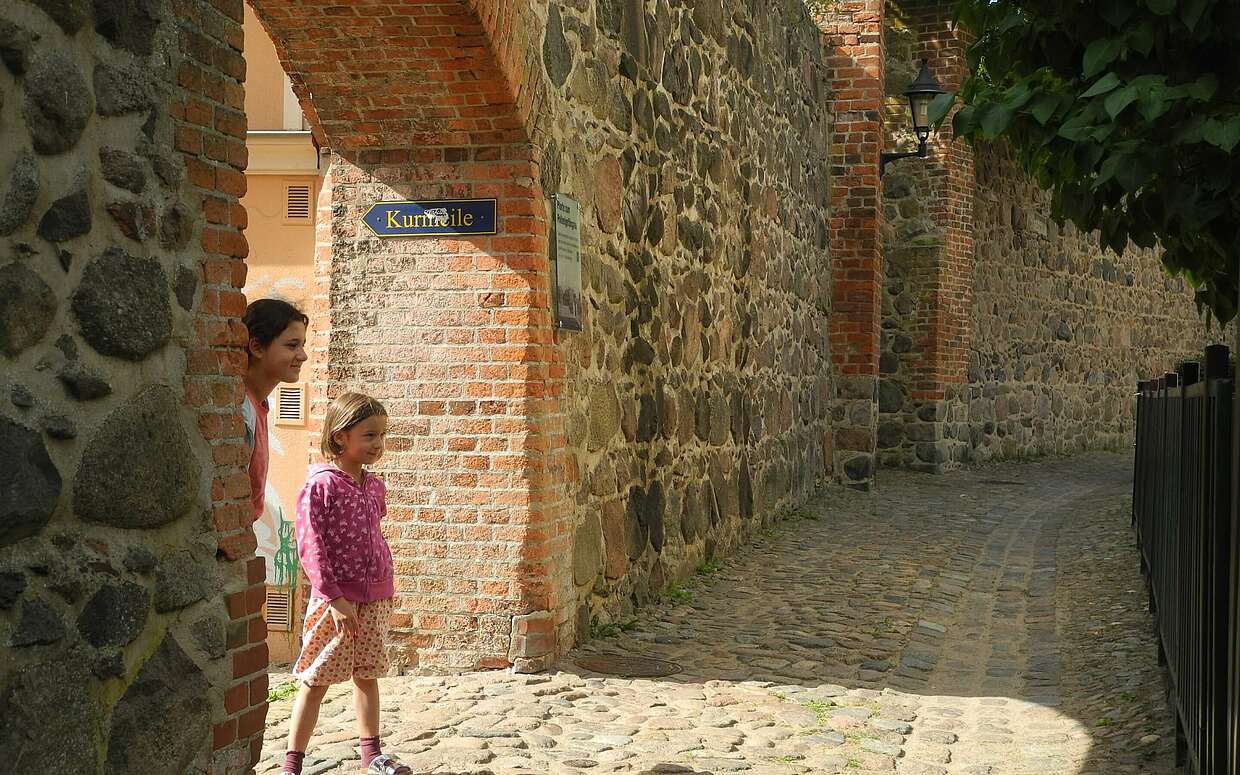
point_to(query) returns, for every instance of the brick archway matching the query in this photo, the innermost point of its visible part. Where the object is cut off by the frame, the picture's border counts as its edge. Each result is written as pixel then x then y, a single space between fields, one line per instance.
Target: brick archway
pixel 453 334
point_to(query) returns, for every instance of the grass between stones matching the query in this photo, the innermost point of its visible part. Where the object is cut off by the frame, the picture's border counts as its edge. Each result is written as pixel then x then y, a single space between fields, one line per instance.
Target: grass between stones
pixel 710 567
pixel 820 709
pixel 286 689
pixel 678 593
pixel 610 629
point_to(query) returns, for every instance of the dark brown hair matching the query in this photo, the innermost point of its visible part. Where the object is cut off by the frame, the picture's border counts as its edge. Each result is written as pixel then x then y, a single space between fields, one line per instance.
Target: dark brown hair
pixel 267 318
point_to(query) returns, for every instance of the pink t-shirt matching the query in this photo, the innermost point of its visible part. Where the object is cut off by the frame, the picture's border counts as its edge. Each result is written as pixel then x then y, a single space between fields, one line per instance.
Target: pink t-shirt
pixel 255 415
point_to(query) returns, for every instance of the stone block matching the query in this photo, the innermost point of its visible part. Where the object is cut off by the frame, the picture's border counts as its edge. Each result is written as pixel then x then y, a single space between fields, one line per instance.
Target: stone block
pixel 615 540
pixel 130 25
pixel 587 550
pixel 210 635
pixel 22 192
pixel 138 470
pixel 123 169
pixel 933 452
pixel 58 102
pixel 40 624
pixel 163 721
pixel 114 615
pixel 68 217
pixel 859 467
pixel 123 305
pixel 181 580
pixel 27 308
pixel 890 434
pixel 923 431
pixel 29 484
pixel 51 701
pixel 890 396
pixel 69 14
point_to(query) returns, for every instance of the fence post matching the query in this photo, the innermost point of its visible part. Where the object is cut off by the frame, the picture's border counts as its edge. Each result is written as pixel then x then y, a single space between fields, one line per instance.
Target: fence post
pixel 1233 703
pixel 1216 635
pixel 1189 372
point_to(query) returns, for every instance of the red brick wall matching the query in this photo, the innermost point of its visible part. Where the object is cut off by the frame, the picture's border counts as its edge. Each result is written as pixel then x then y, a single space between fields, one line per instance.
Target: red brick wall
pixel 453 335
pixel 944 322
pixel 210 135
pixel 852 32
pixel 516 55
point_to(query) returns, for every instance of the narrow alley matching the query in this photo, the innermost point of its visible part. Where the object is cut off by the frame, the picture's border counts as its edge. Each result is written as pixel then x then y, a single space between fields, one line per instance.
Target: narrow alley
pixel 990 621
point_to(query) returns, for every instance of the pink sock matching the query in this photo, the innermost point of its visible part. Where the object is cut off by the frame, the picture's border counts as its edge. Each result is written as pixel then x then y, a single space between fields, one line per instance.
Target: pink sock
pixel 293 760
pixel 370 749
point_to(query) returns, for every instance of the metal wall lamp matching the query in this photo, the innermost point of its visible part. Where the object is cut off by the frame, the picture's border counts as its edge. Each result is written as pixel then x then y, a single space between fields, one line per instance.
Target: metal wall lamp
pixel 921 92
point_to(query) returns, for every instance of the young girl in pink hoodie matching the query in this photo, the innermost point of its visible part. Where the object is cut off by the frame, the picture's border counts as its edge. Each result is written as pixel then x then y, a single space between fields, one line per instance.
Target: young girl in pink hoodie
pixel 349 566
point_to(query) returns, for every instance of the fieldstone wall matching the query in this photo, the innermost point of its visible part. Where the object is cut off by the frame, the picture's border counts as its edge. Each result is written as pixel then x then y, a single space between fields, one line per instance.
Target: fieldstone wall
pixel 123 641
pixel 1061 330
pixel 697 401
pixel 1055 331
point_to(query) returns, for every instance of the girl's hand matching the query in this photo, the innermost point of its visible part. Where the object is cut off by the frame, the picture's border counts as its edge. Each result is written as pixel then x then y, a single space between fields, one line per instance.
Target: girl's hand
pixel 344 614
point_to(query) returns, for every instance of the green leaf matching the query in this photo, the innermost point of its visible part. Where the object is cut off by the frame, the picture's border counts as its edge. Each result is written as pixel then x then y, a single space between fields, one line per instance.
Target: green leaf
pixel 1191 12
pixel 1010 22
pixel 1161 7
pixel 1204 88
pixel 1102 132
pixel 1017 96
pixel 1119 99
pixel 1115 12
pixel 1089 154
pixel 1078 128
pixel 1141 38
pixel 1103 85
pixel 1222 133
pixel 940 107
pixel 1133 173
pixel 1099 54
pixel 1107 171
pixel 1152 105
pixel 1191 131
pixel 964 121
pixel 1144 238
pixel 995 120
pixel 1044 107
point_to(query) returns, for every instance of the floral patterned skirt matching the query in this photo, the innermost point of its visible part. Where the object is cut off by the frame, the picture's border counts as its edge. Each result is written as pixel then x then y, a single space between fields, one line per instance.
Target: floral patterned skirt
pixel 330 656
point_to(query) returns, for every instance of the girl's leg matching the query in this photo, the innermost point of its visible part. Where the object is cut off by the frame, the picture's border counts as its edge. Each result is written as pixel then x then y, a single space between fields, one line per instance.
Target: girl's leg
pixel 305 716
pixel 366 703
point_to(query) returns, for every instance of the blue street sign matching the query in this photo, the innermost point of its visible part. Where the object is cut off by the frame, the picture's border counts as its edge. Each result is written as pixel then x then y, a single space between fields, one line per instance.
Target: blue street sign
pixel 432 217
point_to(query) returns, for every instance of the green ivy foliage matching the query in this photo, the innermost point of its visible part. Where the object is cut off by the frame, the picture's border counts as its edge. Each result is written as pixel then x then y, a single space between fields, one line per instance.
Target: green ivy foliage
pixel 1128 112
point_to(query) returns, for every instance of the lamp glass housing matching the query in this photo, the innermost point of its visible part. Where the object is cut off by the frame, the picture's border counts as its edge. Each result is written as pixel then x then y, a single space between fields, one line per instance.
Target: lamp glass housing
pixel 919 103
pixel 921 93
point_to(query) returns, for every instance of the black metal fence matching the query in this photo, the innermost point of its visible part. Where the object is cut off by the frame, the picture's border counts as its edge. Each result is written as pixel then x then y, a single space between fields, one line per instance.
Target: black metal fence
pixel 1184 513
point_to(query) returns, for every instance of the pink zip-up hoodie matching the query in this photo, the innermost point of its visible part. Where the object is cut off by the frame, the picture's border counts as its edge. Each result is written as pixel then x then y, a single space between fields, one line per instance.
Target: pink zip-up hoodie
pixel 338 539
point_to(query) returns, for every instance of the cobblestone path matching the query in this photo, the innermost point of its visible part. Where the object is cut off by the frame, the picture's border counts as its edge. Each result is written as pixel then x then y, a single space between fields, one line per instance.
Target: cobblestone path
pixel 989 621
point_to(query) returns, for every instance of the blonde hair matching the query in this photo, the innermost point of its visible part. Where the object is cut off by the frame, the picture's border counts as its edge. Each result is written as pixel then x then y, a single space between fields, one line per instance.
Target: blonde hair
pixel 345 412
